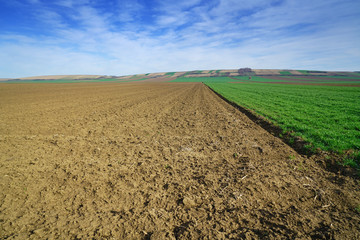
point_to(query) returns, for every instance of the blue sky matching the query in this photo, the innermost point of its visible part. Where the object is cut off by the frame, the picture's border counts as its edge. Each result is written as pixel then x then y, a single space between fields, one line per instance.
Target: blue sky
pixel 120 37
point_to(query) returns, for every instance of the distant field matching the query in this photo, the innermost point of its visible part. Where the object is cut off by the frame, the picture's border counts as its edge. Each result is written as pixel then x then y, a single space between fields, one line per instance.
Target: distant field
pixel 303 79
pixel 300 80
pixel 225 79
pixel 170 74
pixel 202 79
pixel 131 79
pixel 285 73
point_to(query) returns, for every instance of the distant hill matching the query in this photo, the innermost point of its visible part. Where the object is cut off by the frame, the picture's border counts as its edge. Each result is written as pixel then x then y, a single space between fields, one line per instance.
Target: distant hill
pixel 194 73
pixel 57 77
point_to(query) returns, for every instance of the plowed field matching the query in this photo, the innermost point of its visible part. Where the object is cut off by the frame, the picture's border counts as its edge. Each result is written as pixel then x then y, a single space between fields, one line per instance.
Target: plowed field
pixel 156 161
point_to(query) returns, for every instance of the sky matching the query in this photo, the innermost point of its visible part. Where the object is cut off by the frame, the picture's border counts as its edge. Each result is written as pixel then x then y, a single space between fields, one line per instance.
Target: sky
pixel 123 37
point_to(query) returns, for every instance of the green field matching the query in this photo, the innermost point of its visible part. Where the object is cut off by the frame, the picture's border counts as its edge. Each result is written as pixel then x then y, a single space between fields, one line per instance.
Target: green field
pixel 305 72
pixel 255 79
pixel 326 116
pixel 225 79
pixel 170 74
pixel 285 73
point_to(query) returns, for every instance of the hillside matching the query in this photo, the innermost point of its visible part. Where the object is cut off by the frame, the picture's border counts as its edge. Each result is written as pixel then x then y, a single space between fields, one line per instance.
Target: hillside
pixel 194 73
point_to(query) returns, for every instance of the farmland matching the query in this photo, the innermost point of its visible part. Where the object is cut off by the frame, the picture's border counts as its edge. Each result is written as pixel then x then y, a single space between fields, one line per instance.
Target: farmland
pixel 169 160
pixel 326 116
pixel 324 111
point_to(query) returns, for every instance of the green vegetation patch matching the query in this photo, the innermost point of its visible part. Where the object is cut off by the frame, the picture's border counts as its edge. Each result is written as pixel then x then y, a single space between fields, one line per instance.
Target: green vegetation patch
pixel 353 160
pixel 328 79
pixel 324 79
pixel 285 73
pixel 305 72
pixel 358 208
pixel 255 79
pixel 222 79
pixel 327 117
pixel 170 73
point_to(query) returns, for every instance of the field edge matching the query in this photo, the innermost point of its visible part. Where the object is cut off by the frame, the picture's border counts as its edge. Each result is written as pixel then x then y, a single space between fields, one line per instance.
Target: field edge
pixel 329 160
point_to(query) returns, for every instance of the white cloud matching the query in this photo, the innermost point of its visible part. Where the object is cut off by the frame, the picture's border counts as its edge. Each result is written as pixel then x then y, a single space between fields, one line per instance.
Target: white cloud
pixel 170 6
pixel 51 19
pixel 65 3
pixel 91 20
pixel 225 7
pixel 33 1
pixel 129 10
pixel 71 3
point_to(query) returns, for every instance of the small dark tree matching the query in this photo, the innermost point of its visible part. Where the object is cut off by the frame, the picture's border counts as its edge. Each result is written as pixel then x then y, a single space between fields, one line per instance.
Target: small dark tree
pixel 246 72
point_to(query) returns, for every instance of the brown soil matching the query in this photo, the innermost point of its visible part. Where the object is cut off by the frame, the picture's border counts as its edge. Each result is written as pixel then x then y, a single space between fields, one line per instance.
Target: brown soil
pixel 156 161
pixel 157 79
pixel 54 77
pixel 266 71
